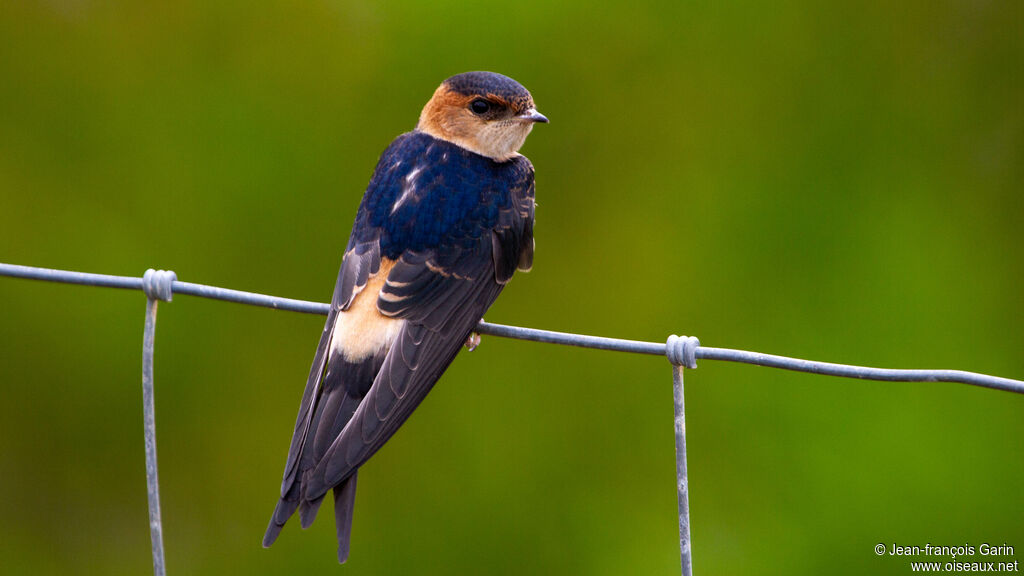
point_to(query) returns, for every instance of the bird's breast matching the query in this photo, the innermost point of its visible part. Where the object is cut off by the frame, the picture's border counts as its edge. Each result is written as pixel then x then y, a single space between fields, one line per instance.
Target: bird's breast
pixel 362 331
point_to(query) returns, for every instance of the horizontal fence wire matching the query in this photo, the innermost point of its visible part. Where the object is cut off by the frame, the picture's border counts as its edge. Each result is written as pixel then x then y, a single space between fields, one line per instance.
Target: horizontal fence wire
pixel 534 335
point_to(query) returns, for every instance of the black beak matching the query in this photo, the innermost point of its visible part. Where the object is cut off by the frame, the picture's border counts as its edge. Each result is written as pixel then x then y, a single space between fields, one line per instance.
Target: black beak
pixel 531 115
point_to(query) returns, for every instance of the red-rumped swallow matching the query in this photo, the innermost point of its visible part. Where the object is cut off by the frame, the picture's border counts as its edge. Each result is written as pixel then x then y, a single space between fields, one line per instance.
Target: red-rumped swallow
pixel 444 224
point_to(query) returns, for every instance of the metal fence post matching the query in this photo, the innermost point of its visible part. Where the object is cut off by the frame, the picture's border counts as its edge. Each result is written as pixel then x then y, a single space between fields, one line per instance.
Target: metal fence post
pixel 681 353
pixel 157 286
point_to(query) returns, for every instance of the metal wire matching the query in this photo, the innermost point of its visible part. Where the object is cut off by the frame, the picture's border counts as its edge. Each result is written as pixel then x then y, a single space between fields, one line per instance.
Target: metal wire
pixel 566 339
pixel 682 352
pixel 682 480
pixel 177 287
pixel 156 533
pixel 534 335
pixel 157 286
pixel 861 372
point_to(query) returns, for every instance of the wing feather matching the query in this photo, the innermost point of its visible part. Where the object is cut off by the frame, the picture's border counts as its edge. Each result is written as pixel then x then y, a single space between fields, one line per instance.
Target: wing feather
pixel 425 347
pixel 359 264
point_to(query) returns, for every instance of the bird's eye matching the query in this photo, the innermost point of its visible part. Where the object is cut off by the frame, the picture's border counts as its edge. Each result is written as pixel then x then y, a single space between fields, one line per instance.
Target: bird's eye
pixel 480 106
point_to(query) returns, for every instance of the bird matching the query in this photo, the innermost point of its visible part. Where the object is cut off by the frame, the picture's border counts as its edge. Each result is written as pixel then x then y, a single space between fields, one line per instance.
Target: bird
pixel 445 222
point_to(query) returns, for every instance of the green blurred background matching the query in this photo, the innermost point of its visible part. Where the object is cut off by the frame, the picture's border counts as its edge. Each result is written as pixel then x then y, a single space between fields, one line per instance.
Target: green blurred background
pixel 837 181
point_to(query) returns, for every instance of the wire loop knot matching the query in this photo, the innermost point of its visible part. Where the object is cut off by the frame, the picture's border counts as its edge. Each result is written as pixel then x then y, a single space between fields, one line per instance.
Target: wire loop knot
pixel 682 350
pixel 157 284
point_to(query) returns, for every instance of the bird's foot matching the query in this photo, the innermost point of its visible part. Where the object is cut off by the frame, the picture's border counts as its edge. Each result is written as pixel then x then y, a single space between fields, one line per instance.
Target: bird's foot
pixel 473 341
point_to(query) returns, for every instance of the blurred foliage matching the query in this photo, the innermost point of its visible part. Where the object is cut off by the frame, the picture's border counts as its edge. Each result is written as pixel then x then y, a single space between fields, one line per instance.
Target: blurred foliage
pixel 838 181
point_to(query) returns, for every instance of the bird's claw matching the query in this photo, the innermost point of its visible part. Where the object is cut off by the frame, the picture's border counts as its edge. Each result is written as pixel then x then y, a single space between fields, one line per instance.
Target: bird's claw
pixel 472 342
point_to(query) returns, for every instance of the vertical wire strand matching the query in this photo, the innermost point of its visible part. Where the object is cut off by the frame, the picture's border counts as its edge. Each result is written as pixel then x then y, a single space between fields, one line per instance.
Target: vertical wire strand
pixel 149 423
pixel 682 483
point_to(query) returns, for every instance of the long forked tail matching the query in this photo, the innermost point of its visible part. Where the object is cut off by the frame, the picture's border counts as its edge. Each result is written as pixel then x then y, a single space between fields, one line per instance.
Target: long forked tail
pixel 281 514
pixel 344 504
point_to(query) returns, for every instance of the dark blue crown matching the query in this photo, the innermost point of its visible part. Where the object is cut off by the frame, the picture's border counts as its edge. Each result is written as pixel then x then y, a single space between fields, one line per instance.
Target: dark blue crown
pixel 484 83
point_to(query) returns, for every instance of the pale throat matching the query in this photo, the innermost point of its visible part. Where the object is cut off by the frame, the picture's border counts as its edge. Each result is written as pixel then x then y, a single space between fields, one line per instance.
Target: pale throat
pixel 499 141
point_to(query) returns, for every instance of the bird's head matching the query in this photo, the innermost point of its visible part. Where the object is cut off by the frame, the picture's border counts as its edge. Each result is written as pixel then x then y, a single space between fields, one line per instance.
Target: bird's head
pixel 483 112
